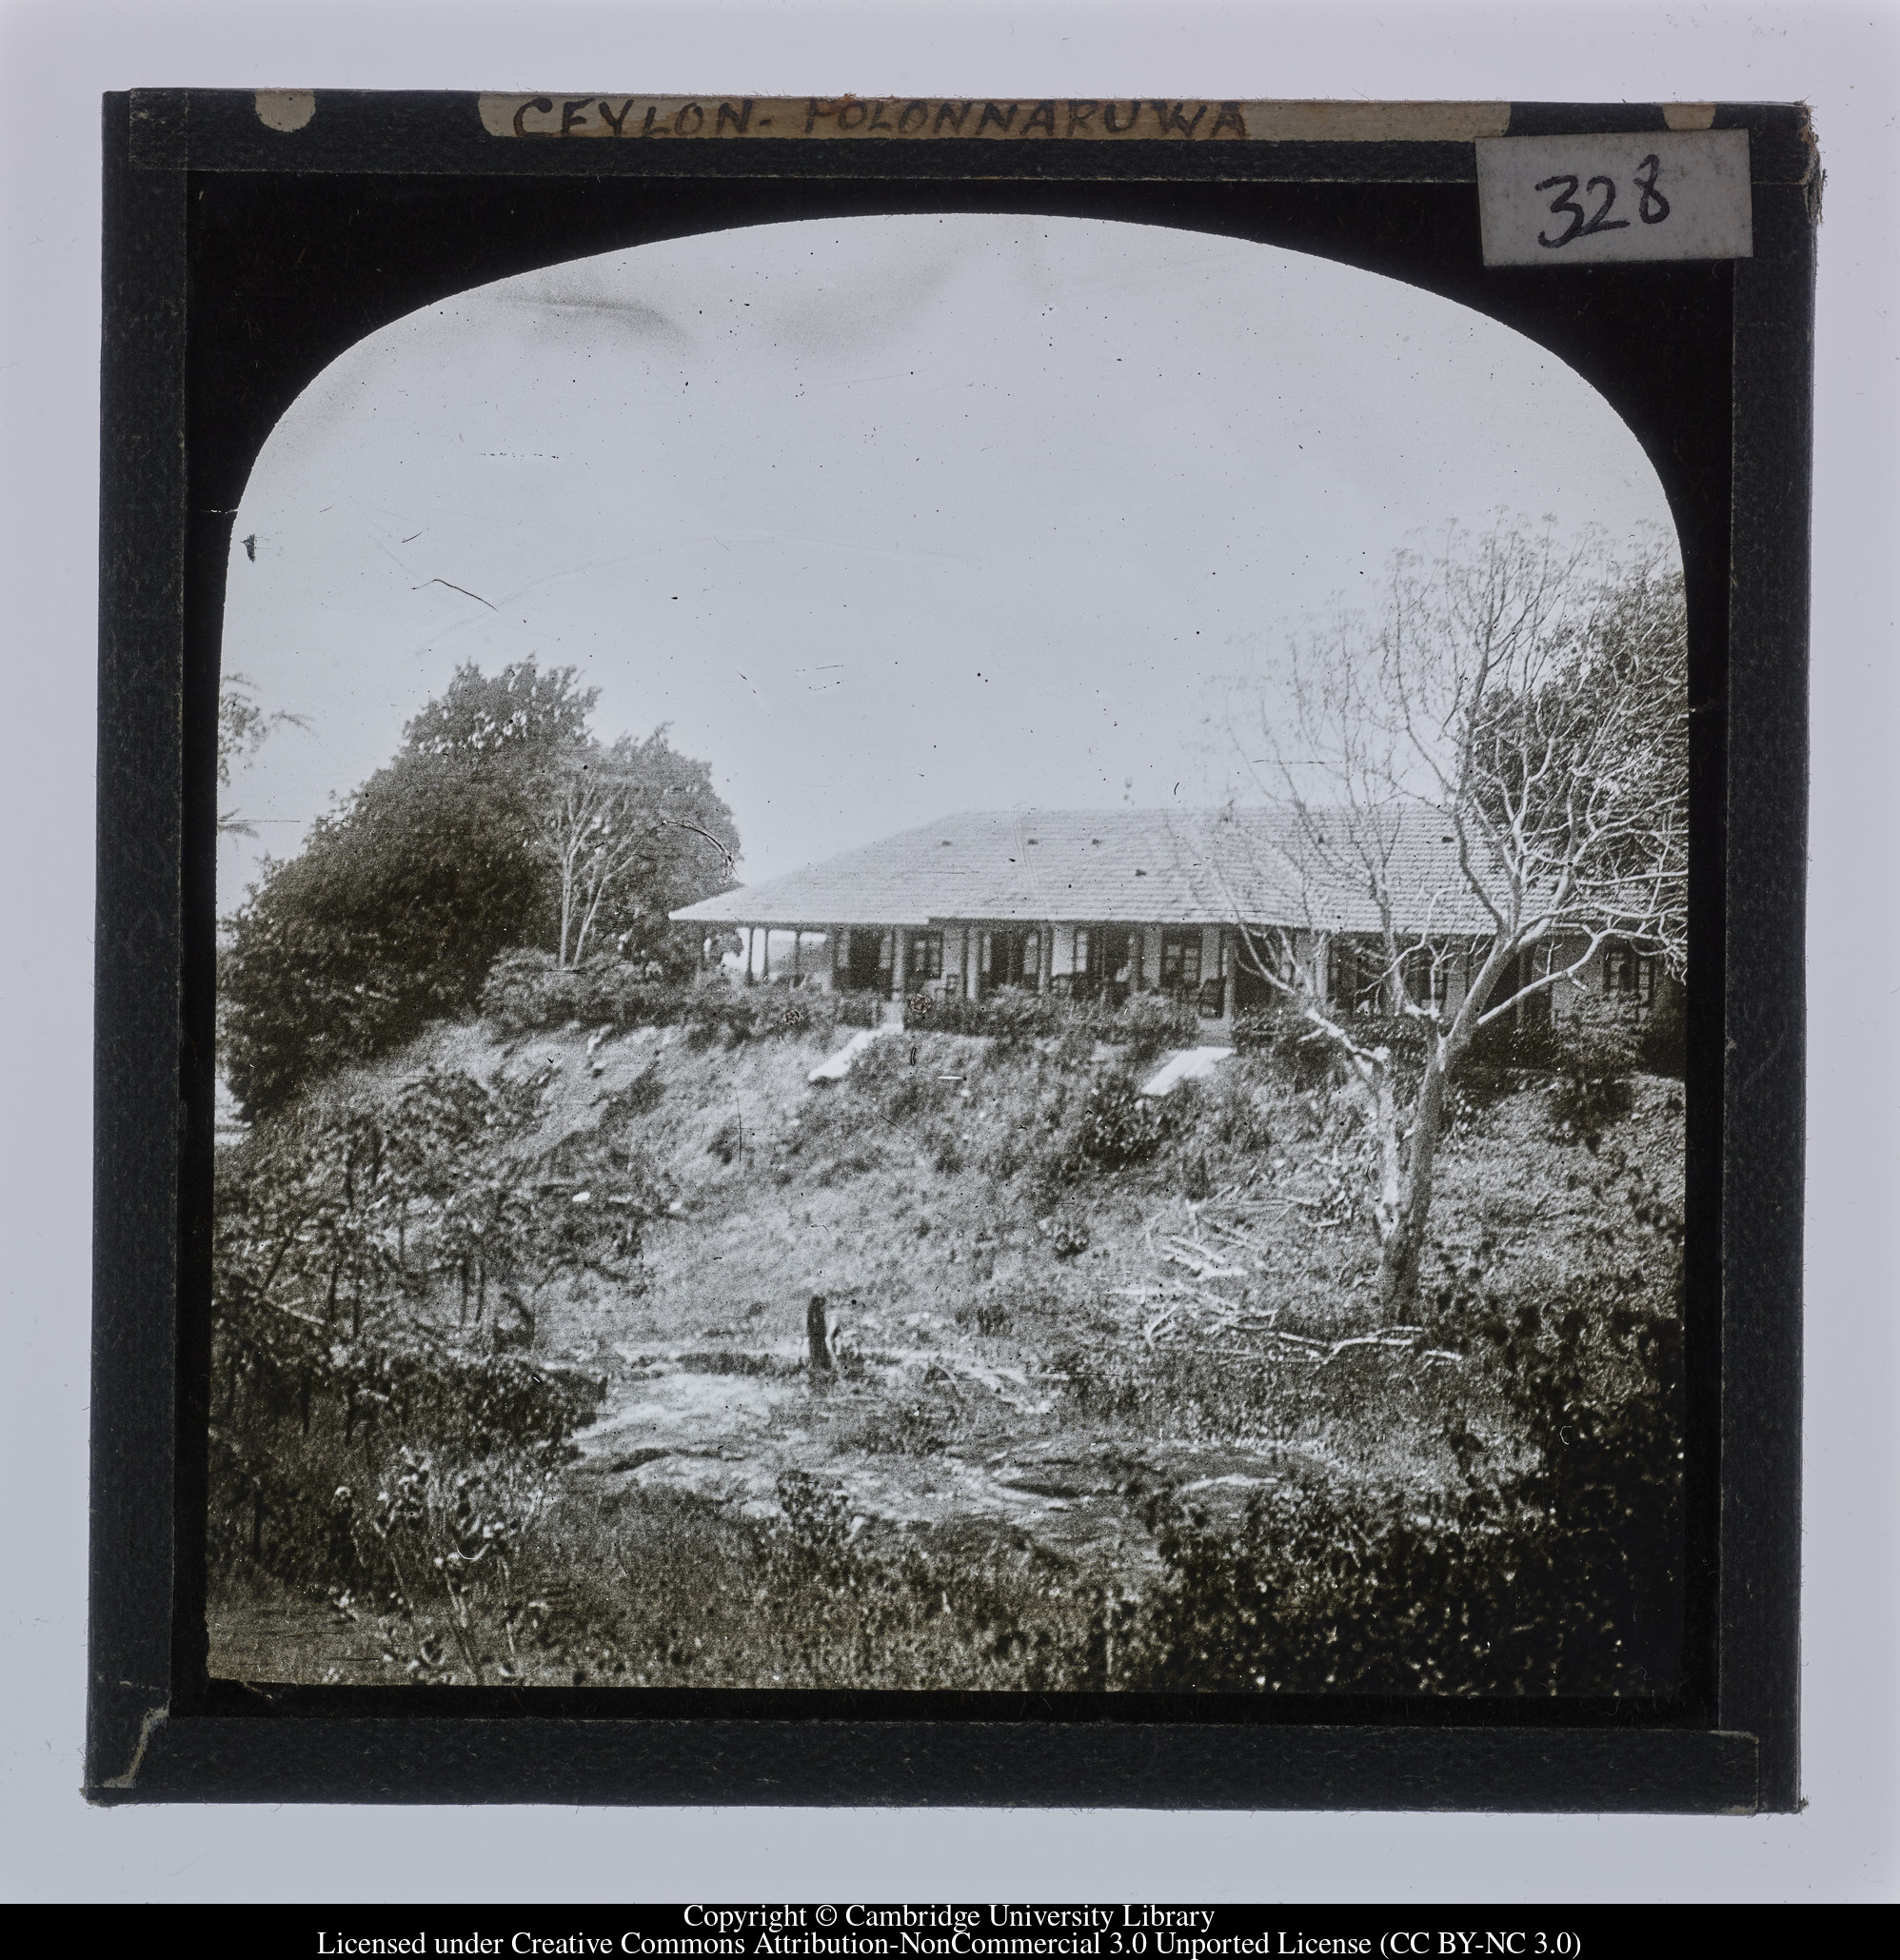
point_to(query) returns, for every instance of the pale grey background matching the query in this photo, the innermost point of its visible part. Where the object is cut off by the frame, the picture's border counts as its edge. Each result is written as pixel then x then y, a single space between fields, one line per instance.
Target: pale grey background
pixel 57 60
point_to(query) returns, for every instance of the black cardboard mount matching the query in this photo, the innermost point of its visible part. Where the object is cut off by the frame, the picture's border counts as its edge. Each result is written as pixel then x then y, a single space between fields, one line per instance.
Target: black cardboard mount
pixel 240 259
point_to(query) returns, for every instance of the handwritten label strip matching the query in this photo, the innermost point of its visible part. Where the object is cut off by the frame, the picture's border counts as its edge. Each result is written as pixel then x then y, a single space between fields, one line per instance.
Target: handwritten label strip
pixel 1600 200
pixel 670 118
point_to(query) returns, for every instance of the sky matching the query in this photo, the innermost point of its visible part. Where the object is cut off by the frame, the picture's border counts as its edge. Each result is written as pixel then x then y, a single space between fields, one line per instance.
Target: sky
pixel 885 517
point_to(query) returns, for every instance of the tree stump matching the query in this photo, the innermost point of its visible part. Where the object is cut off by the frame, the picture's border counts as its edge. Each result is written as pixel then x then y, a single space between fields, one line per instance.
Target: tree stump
pixel 818 1335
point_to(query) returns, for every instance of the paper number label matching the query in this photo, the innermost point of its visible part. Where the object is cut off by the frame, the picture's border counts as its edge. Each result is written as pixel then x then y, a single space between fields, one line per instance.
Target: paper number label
pixel 1555 200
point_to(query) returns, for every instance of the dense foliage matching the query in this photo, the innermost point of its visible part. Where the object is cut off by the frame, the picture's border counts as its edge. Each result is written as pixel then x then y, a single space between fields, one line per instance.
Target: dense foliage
pixel 1563 1577
pixel 409 1461
pixel 1143 1026
pixel 528 991
pixel 378 1256
pixel 402 898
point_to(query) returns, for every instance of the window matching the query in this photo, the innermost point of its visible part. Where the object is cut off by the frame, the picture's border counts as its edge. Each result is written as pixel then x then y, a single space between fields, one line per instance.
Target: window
pixel 1628 976
pixel 1180 961
pixel 924 957
pixel 1425 969
pixel 1011 958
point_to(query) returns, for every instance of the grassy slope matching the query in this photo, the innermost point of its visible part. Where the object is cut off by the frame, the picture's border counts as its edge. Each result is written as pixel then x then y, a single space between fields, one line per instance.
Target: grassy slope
pixel 1009 1395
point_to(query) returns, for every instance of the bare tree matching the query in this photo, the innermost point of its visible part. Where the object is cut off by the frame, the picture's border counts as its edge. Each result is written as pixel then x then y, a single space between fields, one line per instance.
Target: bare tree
pixel 631 829
pixel 592 832
pixel 1466 795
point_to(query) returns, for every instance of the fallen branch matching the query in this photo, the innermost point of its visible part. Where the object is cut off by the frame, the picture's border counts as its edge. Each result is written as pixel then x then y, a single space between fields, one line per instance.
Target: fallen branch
pixel 1367 1340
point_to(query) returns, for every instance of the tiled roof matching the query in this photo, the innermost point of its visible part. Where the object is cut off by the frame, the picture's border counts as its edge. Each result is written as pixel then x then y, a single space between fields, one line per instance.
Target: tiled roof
pixel 1150 867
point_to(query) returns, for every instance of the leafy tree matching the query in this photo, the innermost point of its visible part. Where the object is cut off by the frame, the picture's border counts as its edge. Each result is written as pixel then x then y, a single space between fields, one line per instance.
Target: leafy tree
pixel 395 908
pixel 400 899
pixel 521 716
pixel 403 897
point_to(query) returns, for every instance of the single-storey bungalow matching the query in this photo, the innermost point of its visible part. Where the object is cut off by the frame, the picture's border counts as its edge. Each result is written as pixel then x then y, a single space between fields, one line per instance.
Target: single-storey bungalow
pixel 1099 904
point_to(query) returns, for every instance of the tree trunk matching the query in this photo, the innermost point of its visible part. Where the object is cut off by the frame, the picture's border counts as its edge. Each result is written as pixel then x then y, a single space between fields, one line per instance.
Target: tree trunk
pixel 589 915
pixel 1405 1239
pixel 567 906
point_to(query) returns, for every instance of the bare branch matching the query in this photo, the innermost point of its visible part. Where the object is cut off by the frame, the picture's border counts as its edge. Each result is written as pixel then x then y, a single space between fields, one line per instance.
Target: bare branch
pixel 1457 803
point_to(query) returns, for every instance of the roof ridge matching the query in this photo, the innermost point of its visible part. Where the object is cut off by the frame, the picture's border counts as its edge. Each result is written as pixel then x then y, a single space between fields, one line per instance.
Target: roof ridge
pixel 1192 863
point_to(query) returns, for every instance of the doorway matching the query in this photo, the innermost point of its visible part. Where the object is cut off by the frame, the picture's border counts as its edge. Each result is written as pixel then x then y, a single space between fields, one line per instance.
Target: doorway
pixel 866 963
pixel 1016 957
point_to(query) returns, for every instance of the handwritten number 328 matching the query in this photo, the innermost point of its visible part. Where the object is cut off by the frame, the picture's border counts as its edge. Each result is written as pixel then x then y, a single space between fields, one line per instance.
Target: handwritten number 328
pixel 1651 208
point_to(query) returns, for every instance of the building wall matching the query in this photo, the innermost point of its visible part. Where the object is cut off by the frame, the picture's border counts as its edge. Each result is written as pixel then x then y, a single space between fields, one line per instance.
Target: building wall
pixel 823 963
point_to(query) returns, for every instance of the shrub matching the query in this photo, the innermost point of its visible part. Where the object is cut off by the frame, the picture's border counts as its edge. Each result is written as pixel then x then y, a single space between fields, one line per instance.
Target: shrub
pixel 1566 1580
pixel 630 995
pixel 1512 1049
pixel 1663 1047
pixel 1013 1017
pixel 1557 1569
pixel 1256 1030
pixel 1408 1039
pixel 1299 1055
pixel 1118 1127
pixel 1150 1023
pixel 336 1220
pixel 950 1016
pixel 307 1429
pixel 1595 1048
pixel 991 1312
pixel 525 992
pixel 1481 1081
pixel 857 1010
pixel 1230 1111
pixel 717 1012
